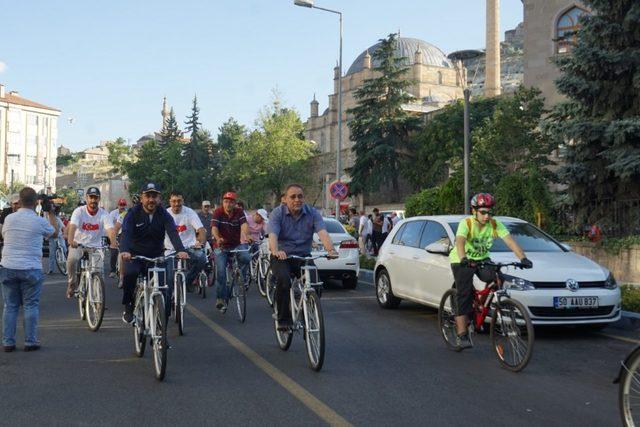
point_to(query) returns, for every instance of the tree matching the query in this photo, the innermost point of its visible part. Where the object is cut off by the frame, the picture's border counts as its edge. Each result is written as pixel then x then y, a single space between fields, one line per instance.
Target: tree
pixel 599 124
pixel 380 127
pixel 119 154
pixel 231 135
pixel 193 125
pixel 170 132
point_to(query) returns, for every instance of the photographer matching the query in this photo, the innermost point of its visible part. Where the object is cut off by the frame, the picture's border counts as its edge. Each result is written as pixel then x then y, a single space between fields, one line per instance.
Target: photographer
pixel 21 272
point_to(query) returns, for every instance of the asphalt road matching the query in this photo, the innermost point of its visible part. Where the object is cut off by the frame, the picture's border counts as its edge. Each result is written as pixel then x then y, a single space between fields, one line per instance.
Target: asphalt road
pixel 382 367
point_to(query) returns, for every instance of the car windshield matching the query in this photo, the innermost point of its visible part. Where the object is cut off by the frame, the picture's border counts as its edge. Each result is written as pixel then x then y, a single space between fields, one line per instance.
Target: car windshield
pixel 526 235
pixel 334 226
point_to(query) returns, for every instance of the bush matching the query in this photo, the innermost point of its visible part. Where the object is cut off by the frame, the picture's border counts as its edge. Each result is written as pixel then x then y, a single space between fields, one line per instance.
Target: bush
pixel 630 298
pixel 426 202
pixel 367 262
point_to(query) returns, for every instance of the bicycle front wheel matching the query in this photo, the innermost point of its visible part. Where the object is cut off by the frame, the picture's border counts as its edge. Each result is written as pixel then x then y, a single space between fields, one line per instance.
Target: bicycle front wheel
pixel 139 337
pixel 61 260
pixel 270 283
pixel 82 290
pixel 512 334
pixel 202 284
pixel 94 307
pixel 447 318
pixel 261 280
pixel 629 393
pixel 240 294
pixel 159 340
pixel 314 331
pixel 178 309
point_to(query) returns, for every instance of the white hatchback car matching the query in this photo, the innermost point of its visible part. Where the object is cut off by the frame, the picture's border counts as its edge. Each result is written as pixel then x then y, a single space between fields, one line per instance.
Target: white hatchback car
pixel 561 288
pixel 345 268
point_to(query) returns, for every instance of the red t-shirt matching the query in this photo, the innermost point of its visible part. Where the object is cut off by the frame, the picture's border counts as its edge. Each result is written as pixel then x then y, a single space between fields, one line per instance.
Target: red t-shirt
pixel 229 226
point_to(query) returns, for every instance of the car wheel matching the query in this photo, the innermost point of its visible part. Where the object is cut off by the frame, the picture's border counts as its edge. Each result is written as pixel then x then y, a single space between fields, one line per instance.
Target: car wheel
pixel 384 294
pixel 350 283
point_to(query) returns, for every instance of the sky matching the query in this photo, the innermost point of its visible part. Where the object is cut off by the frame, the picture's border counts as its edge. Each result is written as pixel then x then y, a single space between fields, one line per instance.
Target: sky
pixel 107 65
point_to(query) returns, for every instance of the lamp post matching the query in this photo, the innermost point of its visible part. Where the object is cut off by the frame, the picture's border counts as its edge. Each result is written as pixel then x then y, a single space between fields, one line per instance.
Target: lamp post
pixel 309 4
pixel 457 58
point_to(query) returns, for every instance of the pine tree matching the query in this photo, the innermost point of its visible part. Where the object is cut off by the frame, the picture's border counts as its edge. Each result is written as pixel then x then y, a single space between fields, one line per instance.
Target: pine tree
pixel 171 132
pixel 600 121
pixel 380 127
pixel 193 125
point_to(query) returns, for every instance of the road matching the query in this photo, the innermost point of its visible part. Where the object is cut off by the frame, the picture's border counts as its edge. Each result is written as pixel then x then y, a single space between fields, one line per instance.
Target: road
pixel 382 367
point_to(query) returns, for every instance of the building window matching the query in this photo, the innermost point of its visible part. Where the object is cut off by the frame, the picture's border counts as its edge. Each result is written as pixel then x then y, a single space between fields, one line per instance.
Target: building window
pixel 439 77
pixel 566 28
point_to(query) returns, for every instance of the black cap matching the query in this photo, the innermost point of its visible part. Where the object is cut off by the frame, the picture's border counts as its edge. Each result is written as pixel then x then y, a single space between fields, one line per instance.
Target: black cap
pixel 93 191
pixel 150 187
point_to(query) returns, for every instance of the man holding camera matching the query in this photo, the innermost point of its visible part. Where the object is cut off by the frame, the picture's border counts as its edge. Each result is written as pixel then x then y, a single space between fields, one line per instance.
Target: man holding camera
pixel 21 273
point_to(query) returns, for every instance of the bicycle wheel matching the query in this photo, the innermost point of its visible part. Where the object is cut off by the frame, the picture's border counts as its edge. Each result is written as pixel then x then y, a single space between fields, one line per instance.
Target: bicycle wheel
pixel 61 260
pixel 177 302
pixel 82 289
pixel 629 393
pixel 94 307
pixel 159 340
pixel 314 331
pixel 447 318
pixel 271 287
pixel 240 294
pixel 139 337
pixel 202 284
pixel 261 280
pixel 512 334
pixel 284 337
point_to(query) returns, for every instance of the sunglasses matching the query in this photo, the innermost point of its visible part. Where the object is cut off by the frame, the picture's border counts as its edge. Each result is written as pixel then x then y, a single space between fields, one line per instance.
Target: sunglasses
pixel 482 212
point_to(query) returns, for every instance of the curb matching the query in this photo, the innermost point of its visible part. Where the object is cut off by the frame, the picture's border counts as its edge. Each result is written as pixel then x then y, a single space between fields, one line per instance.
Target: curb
pixel 366 276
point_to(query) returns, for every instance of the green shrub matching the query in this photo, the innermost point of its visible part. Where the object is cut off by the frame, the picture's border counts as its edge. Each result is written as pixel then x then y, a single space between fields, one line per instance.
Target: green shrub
pixel 630 298
pixel 367 262
pixel 426 202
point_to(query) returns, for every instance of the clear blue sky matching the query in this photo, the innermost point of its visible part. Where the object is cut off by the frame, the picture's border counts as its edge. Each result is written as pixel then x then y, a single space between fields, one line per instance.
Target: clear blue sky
pixel 108 64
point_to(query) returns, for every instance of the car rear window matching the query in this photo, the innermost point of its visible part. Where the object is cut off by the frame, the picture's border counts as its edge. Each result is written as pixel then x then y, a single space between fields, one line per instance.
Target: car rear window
pixel 530 238
pixel 333 226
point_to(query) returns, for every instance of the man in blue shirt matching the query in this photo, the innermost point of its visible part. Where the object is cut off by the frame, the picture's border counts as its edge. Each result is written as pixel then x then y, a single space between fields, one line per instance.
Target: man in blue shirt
pixel 143 232
pixel 291 227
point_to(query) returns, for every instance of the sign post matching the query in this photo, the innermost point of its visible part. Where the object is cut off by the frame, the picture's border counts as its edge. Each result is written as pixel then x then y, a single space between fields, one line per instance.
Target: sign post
pixel 338 191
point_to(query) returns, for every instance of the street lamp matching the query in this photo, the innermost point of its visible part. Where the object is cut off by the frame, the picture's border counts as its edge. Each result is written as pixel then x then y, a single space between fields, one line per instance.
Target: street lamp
pixel 309 4
pixel 457 58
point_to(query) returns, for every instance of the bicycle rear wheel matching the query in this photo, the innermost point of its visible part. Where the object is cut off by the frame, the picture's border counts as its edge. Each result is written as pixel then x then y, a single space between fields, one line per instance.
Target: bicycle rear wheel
pixel 202 284
pixel 512 334
pixel 314 331
pixel 159 341
pixel 447 318
pixel 240 294
pixel 82 290
pixel 629 393
pixel 177 302
pixel 94 307
pixel 270 283
pixel 61 260
pixel 261 282
pixel 139 337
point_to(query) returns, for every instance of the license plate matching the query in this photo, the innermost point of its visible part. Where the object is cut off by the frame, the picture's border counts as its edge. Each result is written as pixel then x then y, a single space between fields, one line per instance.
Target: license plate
pixel 575 302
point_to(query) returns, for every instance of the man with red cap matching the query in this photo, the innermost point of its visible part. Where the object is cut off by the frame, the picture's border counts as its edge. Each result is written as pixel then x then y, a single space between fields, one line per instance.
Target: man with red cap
pixel 229 227
pixel 116 217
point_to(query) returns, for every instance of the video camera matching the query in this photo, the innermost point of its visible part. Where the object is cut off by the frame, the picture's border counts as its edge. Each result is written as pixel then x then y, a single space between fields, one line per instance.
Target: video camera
pixel 45 201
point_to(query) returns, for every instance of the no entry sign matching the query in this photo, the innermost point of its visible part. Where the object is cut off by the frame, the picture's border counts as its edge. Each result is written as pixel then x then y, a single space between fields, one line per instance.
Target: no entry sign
pixel 338 190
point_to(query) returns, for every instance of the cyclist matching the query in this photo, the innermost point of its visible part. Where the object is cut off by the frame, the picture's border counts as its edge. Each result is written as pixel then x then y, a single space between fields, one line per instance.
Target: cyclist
pixel 291 227
pixel 229 227
pixel 192 234
pixel 88 225
pixel 116 216
pixel 474 238
pixel 206 216
pixel 143 233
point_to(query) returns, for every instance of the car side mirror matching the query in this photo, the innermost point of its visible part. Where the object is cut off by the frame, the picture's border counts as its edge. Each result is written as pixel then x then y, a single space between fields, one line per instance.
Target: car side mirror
pixel 566 246
pixel 438 248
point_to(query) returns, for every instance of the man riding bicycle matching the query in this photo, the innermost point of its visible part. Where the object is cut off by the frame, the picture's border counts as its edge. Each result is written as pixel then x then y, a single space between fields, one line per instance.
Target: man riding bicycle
pixel 143 233
pixel 291 227
pixel 474 238
pixel 192 234
pixel 229 227
pixel 89 224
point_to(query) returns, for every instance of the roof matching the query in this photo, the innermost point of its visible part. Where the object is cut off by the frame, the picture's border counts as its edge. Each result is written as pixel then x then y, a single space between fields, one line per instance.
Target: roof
pixel 406 47
pixel 12 98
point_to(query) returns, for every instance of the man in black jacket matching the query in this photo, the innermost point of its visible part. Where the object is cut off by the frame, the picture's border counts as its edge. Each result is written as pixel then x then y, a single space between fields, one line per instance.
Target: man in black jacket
pixel 143 231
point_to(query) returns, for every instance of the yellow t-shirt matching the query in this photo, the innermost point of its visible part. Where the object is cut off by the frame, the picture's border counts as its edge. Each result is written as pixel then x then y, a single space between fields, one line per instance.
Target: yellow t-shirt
pixel 479 240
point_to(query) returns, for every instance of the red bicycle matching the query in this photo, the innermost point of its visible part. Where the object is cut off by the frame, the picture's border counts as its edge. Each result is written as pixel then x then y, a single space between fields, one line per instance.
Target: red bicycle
pixel 511 330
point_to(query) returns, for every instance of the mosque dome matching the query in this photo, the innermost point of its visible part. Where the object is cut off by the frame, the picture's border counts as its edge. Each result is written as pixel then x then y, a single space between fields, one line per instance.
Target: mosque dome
pixel 405 47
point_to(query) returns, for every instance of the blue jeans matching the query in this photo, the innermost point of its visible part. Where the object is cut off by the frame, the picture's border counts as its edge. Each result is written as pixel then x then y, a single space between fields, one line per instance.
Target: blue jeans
pixel 54 242
pixel 21 287
pixel 222 257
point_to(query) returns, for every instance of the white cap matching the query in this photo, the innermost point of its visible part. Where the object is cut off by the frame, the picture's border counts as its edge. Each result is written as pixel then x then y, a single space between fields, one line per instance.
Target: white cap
pixel 15 198
pixel 263 213
pixel 206 203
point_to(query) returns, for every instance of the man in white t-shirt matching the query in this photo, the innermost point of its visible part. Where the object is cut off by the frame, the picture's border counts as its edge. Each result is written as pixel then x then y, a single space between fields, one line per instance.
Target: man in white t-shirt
pixel 116 216
pixel 364 231
pixel 192 234
pixel 88 225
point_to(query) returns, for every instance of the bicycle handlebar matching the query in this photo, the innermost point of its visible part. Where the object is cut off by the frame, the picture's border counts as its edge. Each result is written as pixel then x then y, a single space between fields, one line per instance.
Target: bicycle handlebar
pixel 500 265
pixel 90 248
pixel 158 259
pixel 311 258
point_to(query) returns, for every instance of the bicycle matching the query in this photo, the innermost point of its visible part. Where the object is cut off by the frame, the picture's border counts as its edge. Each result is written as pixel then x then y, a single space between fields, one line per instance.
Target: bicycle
pixel 90 290
pixel 511 330
pixel 149 313
pixel 61 259
pixel 236 289
pixel 259 267
pixel 206 277
pixel 628 392
pixel 179 297
pixel 306 312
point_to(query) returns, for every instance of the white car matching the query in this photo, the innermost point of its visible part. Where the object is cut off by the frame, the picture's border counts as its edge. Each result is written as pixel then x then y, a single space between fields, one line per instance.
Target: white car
pixel 345 268
pixel 561 288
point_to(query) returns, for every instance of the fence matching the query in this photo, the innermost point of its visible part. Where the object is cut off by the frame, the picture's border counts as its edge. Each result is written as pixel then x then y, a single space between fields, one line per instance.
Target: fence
pixel 616 218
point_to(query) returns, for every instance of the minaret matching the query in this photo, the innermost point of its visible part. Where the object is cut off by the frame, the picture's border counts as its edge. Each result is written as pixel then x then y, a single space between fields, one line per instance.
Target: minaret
pixel 366 62
pixel 492 70
pixel 314 107
pixel 164 112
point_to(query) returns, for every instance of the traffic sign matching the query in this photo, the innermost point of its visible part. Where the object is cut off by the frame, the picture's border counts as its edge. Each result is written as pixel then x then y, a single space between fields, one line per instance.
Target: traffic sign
pixel 338 190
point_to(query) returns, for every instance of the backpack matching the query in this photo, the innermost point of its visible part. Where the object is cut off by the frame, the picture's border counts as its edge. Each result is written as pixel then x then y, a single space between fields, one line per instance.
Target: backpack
pixel 494 225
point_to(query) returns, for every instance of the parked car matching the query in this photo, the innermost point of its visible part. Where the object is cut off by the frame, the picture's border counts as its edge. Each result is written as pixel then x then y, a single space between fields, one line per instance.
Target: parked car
pixel 345 268
pixel 562 287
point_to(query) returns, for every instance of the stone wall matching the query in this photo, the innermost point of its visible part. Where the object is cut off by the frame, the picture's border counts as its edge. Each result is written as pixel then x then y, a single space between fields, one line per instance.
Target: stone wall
pixel 625 266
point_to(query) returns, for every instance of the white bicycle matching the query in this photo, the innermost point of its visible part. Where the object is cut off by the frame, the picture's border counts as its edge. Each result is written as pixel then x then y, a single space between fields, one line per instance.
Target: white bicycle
pixel 90 291
pixel 179 298
pixel 149 313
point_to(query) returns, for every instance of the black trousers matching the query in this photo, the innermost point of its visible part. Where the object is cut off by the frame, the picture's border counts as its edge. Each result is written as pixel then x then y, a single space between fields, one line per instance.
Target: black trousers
pixel 282 270
pixel 376 237
pixel 132 270
pixel 463 277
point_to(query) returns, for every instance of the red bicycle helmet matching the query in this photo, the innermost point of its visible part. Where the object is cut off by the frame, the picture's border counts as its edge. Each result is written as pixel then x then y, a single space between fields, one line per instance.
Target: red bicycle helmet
pixel 482 200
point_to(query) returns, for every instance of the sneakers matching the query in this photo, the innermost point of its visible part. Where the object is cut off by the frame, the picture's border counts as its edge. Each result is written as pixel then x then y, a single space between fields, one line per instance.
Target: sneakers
pixel 463 341
pixel 127 315
pixel 32 347
pixel 219 303
pixel 8 348
pixel 223 310
pixel 283 325
pixel 120 284
pixel 70 291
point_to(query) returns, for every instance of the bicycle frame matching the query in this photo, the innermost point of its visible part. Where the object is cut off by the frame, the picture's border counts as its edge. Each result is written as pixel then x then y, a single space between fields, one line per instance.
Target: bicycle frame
pixel 483 299
pixel 180 268
pixel 91 261
pixel 152 287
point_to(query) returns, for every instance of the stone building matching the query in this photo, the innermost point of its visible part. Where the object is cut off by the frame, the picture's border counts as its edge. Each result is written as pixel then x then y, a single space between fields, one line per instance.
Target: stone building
pixel 28 136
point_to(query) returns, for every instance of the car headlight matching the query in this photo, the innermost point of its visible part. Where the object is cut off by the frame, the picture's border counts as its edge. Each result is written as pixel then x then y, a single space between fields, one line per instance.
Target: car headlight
pixel 610 283
pixel 516 283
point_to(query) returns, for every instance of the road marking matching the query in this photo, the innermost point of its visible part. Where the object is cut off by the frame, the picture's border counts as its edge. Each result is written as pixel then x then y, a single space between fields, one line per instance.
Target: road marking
pixel 618 337
pixel 296 390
